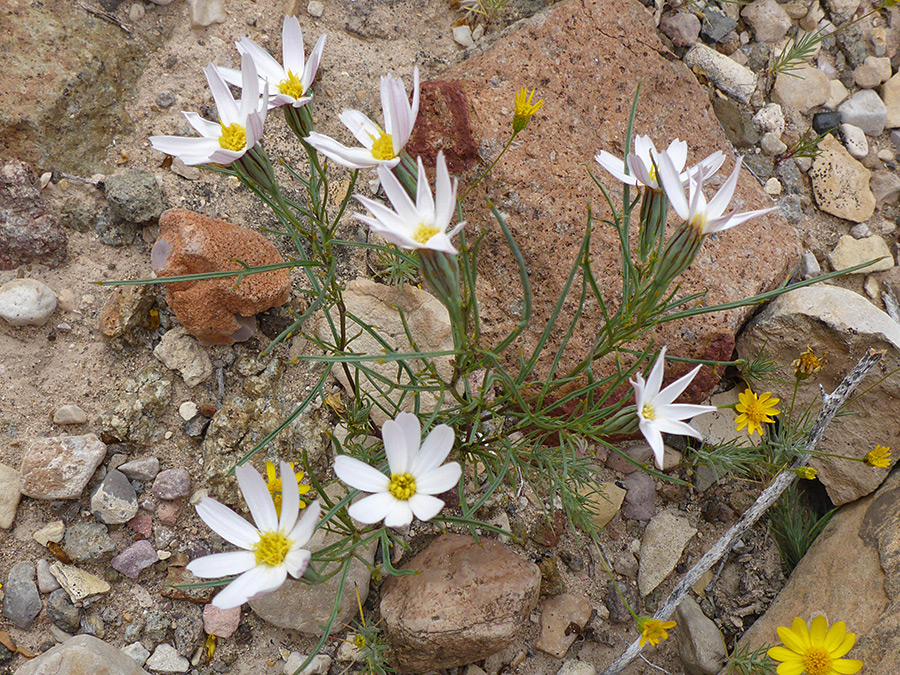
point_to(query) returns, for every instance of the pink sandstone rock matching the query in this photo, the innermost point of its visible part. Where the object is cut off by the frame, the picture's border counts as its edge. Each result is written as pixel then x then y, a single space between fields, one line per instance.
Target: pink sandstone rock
pixel 215 310
pixel 585 57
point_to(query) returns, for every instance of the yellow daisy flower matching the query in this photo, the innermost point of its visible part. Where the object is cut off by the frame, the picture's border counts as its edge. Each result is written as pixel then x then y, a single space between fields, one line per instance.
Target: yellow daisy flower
pixel 755 411
pixel 808 364
pixel 807 473
pixel 654 630
pixel 815 651
pixel 525 109
pixel 273 482
pixel 879 457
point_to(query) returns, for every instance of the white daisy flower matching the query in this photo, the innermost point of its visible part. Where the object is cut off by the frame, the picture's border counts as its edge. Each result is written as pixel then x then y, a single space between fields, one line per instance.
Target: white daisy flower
pixel 239 128
pixel 289 83
pixel 416 474
pixel 657 411
pixel 422 225
pixel 641 162
pixel 272 549
pixel 380 146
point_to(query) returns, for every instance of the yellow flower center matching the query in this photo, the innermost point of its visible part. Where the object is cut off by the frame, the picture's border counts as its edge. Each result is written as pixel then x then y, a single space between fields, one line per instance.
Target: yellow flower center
pixel 234 137
pixel 271 548
pixel 359 641
pixel 648 412
pixel 817 661
pixel 402 486
pixel 291 86
pixel 383 147
pixel 424 232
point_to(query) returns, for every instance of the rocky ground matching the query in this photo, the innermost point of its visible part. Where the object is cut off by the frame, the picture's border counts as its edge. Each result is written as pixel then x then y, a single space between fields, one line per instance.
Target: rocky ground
pixel 108 384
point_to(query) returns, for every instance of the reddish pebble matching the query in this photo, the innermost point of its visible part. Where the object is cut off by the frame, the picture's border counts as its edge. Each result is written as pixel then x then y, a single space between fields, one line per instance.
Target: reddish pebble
pixel 168 511
pixel 221 622
pixel 142 523
pixel 172 484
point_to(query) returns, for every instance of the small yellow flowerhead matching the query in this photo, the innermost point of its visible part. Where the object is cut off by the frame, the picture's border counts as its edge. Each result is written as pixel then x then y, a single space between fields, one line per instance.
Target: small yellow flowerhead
pixel 808 364
pixel 273 482
pixel 755 411
pixel 807 473
pixel 879 457
pixel 816 649
pixel 654 630
pixel 525 109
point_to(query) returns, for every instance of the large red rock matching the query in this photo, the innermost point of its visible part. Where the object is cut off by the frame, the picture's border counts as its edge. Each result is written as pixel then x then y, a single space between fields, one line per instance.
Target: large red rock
pixel 585 57
pixel 217 310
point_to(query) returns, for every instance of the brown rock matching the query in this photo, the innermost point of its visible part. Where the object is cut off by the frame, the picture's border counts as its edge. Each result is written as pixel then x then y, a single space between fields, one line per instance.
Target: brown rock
pixel 60 467
pixel 126 310
pixel 467 600
pixel 851 573
pixel 585 58
pixel 215 310
pixel 28 234
pixel 840 183
pixel 562 618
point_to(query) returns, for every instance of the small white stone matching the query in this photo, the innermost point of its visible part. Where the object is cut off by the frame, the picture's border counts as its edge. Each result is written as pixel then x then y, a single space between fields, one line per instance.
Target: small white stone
pixel 53 531
pixel 187 410
pixel 137 652
pixel 773 186
pixel 168 435
pixel 166 659
pixel 855 140
pixel 315 8
pixel 872 288
pixel 771 144
pixel 463 36
pixel 478 32
pixel 45 179
pixel 318 666
pixel 886 155
pixel 26 302
pixel 197 495
pixel 69 414
pixel 136 12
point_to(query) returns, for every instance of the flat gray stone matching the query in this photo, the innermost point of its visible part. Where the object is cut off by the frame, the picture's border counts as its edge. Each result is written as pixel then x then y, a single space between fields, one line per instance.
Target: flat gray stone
pixel 82 655
pixel 21 600
pixel 727 74
pixel 865 110
pixel 664 540
pixel 700 642
pixel 59 467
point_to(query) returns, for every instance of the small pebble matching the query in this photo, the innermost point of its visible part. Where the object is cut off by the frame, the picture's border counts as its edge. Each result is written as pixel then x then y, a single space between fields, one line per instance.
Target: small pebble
pixel 221 622
pixel 21 600
pixel 463 36
pixel 53 531
pixel 315 8
pixel 165 659
pixel 26 302
pixel 134 559
pixel 69 414
pixel 46 582
pixel 63 612
pixel 143 468
pixel 165 99
pixel 137 652
pixel 318 666
pixel 136 12
pixel 860 231
pixel 172 484
pixel 855 140
pixel 187 410
pixel 886 155
pixel 773 186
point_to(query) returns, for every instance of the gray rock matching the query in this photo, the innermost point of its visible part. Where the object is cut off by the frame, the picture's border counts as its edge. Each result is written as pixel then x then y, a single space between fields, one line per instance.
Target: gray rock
pixel 771 144
pixel 305 608
pixel 851 251
pixel 803 89
pixel 640 495
pixel 890 94
pixel 726 73
pixel 840 183
pixel 860 231
pixel 134 196
pixel 845 324
pixel 683 28
pixel 63 612
pixel 855 141
pixel 156 628
pixel 700 643
pixel 318 666
pixel 866 110
pixel 885 185
pixel 716 25
pixel 28 234
pixel 69 414
pixel 172 484
pixel 21 600
pixel 114 501
pixel 139 402
pixel 664 540
pixel 188 621
pixel 89 542
pixel 137 652
pixel 165 659
pixel 181 351
pixel 46 582
pixel 143 468
pixel 467 601
pixel 82 655
pixel 59 467
pixel 9 495
pixel 767 18
pixel 842 10
pixel 26 302
pixel 137 557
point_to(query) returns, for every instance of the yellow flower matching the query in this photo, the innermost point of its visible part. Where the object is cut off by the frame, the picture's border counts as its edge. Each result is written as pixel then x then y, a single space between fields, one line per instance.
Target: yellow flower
pixel 807 473
pixel 654 630
pixel 525 109
pixel 816 651
pixel 274 485
pixel 755 411
pixel 879 456
pixel 808 364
